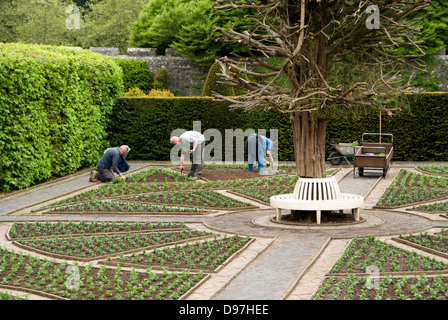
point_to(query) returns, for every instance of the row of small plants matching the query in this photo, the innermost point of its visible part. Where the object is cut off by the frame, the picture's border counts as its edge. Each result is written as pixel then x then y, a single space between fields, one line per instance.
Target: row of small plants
pixel 438 169
pixel 282 168
pixel 204 255
pixel 356 287
pixel 117 206
pixel 196 198
pixel 9 296
pixel 437 242
pixel 441 207
pixel 178 193
pixel 384 263
pixel 48 228
pixel 71 281
pixel 410 187
pixel 263 189
pixel 365 252
pixel 155 173
pixel 88 247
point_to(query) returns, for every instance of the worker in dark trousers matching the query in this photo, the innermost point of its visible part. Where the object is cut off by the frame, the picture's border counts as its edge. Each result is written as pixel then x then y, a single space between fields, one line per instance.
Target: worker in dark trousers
pixel 256 145
pixel 109 163
pixel 195 141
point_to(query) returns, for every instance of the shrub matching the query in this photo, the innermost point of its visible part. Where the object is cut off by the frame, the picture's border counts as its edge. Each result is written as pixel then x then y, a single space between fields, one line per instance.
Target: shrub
pixel 135 74
pixel 134 92
pixel 160 93
pixel 54 107
pixel 161 79
pixel 211 84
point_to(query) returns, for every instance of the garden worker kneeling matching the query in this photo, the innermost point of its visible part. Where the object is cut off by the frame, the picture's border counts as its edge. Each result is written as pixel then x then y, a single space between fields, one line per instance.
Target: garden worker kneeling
pixel 255 147
pixel 196 141
pixel 111 162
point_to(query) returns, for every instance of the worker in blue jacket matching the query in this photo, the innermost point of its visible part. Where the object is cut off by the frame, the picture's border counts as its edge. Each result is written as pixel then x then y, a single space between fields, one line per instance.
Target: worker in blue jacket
pixel 256 145
pixel 113 160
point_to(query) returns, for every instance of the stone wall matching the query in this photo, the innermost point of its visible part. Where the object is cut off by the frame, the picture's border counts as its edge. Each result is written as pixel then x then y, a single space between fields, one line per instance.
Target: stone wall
pixel 441 69
pixel 185 78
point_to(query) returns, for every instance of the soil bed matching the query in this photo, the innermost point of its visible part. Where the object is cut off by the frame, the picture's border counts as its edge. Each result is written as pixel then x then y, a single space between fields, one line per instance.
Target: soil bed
pixel 327 218
pixel 234 172
pixel 205 255
pixel 64 281
pixel 118 206
pixel 92 247
pixel 47 228
pixel 433 243
pixel 386 258
pixel 410 188
pixel 385 288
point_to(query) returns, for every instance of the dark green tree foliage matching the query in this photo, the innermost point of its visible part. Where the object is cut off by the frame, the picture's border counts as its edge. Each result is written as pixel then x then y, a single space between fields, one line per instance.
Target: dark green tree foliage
pixel 435 26
pixel 187 26
pixel 135 74
pixel 54 107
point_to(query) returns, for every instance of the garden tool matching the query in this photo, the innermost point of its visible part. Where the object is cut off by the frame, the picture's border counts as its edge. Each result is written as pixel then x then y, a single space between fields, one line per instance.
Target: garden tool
pixel 269 162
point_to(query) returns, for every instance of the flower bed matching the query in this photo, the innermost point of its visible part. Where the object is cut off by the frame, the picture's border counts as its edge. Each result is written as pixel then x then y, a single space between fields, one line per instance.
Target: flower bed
pixel 44 229
pixel 434 243
pixel 263 189
pixel 99 246
pixel 409 188
pixel 437 207
pixel 364 252
pixel 371 269
pixel 137 195
pixel 70 281
pixel 441 169
pixel 118 206
pixel 205 255
pixel 355 287
pixel 112 245
pixel 191 198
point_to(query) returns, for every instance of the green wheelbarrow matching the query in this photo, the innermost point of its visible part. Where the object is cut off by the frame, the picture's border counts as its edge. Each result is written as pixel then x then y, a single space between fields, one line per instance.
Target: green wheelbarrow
pixel 344 151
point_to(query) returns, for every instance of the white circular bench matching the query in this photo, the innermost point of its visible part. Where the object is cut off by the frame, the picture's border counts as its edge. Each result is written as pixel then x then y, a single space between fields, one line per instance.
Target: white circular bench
pixel 317 195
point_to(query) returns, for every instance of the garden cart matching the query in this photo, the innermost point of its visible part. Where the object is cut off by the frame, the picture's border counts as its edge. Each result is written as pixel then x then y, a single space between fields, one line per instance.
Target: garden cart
pixel 374 156
pixel 344 151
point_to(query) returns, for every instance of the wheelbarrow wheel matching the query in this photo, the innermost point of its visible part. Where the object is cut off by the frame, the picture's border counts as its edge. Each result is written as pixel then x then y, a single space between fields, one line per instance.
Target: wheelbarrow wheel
pixel 336 161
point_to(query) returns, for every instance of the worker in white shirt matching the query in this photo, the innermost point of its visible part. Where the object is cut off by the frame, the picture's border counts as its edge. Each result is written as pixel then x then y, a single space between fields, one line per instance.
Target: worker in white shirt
pixel 195 141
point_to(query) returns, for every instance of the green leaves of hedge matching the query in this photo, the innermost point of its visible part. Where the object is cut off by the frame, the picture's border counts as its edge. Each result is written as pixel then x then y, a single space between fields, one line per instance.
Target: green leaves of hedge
pixel 146 124
pixel 54 107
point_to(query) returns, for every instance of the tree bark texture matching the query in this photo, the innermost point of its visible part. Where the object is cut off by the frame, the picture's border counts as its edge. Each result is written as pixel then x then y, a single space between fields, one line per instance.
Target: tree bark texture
pixel 309 144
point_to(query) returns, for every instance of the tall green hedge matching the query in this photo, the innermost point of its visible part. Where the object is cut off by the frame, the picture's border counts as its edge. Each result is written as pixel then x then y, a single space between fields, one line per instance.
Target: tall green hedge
pixel 54 108
pixel 146 124
pixel 135 74
pixel 419 134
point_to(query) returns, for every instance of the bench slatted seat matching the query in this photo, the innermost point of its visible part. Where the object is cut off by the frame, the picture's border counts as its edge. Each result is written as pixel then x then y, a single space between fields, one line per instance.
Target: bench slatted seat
pixel 317 195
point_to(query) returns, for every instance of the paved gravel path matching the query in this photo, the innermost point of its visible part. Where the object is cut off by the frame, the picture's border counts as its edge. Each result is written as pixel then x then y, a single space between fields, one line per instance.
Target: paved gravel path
pixel 274 272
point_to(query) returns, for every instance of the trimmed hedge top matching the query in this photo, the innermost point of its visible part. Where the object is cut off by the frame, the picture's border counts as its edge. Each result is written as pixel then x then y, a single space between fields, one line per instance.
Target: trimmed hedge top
pixel 54 107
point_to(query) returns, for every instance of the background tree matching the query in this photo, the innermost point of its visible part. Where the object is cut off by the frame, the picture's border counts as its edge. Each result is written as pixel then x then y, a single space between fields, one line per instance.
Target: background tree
pixel 435 25
pixel 313 36
pixel 36 21
pixel 107 23
pixel 187 26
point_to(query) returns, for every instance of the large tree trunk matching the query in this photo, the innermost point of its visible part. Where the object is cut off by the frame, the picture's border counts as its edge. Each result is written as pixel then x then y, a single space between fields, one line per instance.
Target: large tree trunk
pixel 309 143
